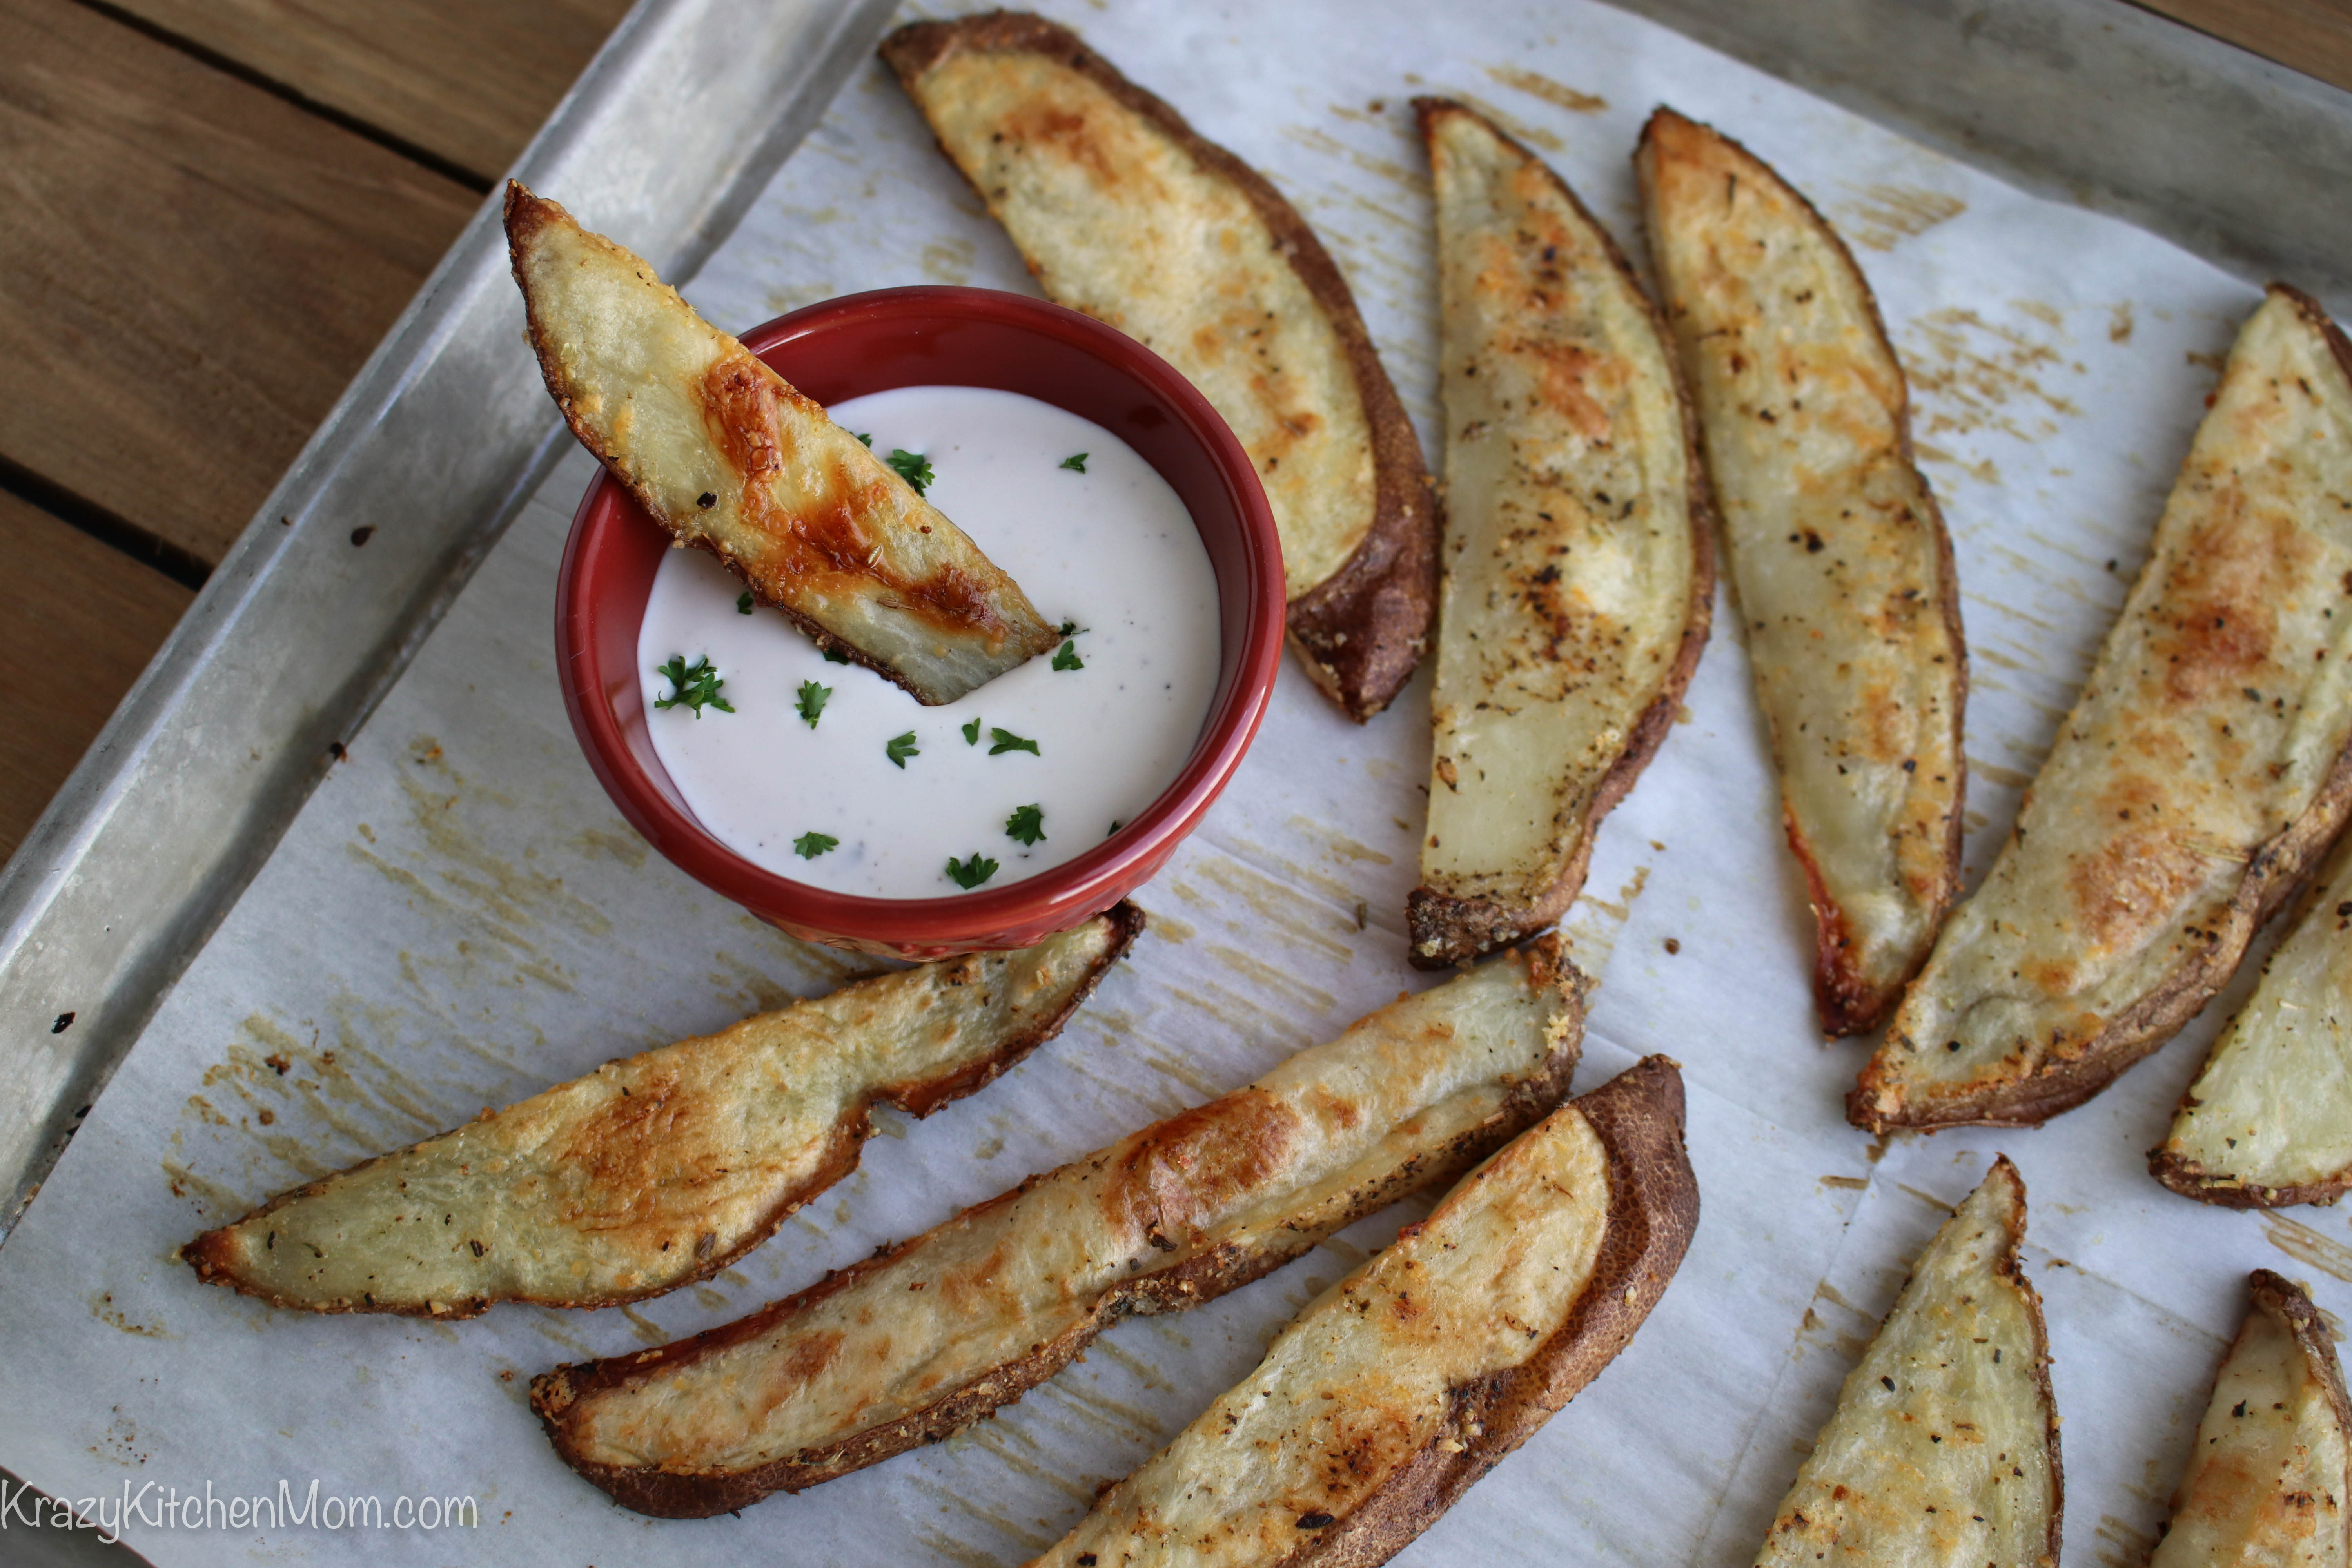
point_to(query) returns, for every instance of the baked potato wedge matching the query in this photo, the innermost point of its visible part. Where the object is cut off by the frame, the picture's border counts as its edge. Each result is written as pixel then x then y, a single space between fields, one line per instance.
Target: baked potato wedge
pixel 1944 1445
pixel 2269 1482
pixel 1380 1404
pixel 727 456
pixel 1579 565
pixel 2269 1121
pixel 660 1169
pixel 2202 771
pixel 1123 211
pixel 1842 568
pixel 933 1334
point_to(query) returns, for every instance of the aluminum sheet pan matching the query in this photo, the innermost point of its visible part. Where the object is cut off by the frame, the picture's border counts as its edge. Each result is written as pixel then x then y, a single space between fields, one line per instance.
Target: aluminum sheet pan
pixel 457 916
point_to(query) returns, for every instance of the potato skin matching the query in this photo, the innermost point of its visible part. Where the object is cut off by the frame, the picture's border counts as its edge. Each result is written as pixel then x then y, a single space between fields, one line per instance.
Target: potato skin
pixel 1360 621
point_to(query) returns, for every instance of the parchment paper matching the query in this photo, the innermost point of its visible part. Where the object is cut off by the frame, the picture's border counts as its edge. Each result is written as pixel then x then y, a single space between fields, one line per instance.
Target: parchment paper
pixel 459 918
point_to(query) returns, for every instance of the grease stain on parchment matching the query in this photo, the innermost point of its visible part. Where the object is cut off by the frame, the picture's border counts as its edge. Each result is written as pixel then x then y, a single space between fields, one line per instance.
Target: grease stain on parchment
pixel 1030 1541
pixel 2123 1545
pixel 1414 180
pixel 102 1308
pixel 1882 216
pixel 1559 94
pixel 2307 1247
pixel 1972 374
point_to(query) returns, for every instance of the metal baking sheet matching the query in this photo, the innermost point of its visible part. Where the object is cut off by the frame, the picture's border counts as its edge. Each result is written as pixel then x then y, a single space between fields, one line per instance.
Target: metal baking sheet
pixel 455 916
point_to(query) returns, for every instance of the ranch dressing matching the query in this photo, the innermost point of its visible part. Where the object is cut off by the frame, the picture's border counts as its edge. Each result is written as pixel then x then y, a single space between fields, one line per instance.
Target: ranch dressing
pixel 1110 550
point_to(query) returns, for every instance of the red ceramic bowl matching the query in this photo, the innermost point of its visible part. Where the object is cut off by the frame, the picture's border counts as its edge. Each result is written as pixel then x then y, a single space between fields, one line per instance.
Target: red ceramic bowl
pixel 932 336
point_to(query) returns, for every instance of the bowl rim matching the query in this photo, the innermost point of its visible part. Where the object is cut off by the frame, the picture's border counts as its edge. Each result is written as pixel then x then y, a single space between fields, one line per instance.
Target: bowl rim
pixel 1054 899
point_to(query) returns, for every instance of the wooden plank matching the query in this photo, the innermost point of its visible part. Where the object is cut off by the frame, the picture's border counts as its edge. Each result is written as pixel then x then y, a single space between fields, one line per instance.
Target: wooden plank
pixel 82 622
pixel 2314 37
pixel 467 82
pixel 191 269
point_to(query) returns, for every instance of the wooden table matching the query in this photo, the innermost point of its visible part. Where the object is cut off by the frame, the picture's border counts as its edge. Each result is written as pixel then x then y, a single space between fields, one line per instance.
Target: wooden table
pixel 214 209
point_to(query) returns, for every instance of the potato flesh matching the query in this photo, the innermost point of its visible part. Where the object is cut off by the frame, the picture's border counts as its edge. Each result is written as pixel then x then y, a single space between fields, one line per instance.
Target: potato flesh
pixel 2218 710
pixel 2267 1483
pixel 2272 1108
pixel 1568 550
pixel 1835 545
pixel 632 1179
pixel 1117 220
pixel 816 524
pixel 1273 1165
pixel 1939 1454
pixel 1359 1383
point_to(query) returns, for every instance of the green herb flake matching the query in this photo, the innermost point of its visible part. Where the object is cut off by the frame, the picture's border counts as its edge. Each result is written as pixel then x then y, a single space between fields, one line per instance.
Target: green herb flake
pixel 1072 629
pixel 1006 741
pixel 970 873
pixel 1068 658
pixel 809 846
pixel 743 603
pixel 811 702
pixel 1077 464
pixel 1027 825
pixel 1114 829
pixel 971 733
pixel 868 439
pixel 834 656
pixel 914 467
pixel 696 685
pixel 900 748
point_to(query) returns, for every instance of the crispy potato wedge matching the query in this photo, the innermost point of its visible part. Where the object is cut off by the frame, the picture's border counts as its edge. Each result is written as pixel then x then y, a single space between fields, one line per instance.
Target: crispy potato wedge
pixel 2269 1121
pixel 2203 769
pixel 660 1169
pixel 935 1333
pixel 1380 1404
pixel 2269 1483
pixel 1122 212
pixel 1580 564
pixel 1944 1445
pixel 1842 564
pixel 723 452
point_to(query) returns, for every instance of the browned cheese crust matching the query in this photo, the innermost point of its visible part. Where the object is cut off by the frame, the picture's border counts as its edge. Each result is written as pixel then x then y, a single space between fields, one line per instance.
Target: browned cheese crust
pixel 642 1176
pixel 1362 571
pixel 729 457
pixel 1840 557
pixel 1575 611
pixel 1409 1380
pixel 2205 769
pixel 928 1336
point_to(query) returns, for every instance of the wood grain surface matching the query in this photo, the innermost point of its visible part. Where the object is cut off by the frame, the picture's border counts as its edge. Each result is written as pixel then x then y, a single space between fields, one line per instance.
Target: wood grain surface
pixel 2314 37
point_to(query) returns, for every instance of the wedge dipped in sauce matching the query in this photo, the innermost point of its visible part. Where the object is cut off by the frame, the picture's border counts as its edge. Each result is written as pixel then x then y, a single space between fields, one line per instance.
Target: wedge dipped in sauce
pixel 2270 1480
pixel 1123 211
pixel 2202 771
pixel 660 1169
pixel 935 1333
pixel 1398 1388
pixel 2268 1121
pixel 1843 568
pixel 1579 568
pixel 723 453
pixel 1944 1445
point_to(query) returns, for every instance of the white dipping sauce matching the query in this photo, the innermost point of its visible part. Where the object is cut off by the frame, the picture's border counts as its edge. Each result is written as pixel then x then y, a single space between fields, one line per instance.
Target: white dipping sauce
pixel 1111 549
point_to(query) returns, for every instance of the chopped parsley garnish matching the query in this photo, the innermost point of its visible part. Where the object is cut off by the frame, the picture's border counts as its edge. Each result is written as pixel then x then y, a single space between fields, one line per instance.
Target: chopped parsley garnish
pixel 1006 741
pixel 914 467
pixel 1027 825
pixel 809 846
pixel 811 702
pixel 1113 828
pixel 971 733
pixel 696 685
pixel 868 440
pixel 1066 659
pixel 900 748
pixel 743 603
pixel 1072 629
pixel 1077 464
pixel 970 873
pixel 834 656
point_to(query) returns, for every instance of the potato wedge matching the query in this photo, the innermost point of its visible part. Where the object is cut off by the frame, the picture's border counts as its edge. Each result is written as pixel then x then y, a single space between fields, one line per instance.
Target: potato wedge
pixel 2271 1477
pixel 2269 1121
pixel 1580 555
pixel 919 1342
pixel 1380 1404
pixel 723 452
pixel 1122 212
pixel 2203 769
pixel 660 1169
pixel 1842 566
pixel 1944 1445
